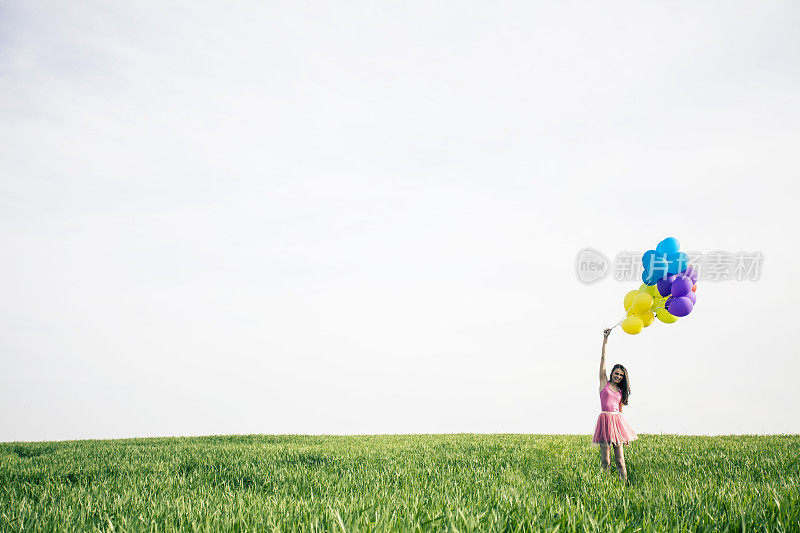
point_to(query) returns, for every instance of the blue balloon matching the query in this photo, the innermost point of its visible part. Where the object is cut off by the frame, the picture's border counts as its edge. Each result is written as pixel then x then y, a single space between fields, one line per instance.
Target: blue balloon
pixel 649 278
pixel 669 245
pixel 657 266
pixel 677 262
pixel 647 258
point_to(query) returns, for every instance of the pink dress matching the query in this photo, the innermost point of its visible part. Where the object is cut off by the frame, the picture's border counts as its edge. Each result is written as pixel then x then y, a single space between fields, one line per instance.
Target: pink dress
pixel 611 425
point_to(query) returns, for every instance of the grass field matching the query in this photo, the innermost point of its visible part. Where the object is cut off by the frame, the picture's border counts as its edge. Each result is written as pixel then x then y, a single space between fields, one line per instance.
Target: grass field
pixel 413 482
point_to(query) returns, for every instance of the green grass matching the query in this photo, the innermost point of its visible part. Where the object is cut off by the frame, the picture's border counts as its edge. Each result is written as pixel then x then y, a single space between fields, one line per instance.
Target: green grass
pixel 409 482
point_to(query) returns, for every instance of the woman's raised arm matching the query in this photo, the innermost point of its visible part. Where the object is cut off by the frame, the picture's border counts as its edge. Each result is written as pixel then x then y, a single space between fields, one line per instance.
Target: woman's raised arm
pixel 603 379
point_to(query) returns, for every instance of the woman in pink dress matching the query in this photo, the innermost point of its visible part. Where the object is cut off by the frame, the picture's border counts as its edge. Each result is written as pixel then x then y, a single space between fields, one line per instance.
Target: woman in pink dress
pixel 612 430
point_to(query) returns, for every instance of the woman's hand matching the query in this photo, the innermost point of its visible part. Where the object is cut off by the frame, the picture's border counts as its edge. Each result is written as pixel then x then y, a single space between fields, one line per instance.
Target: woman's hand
pixel 606 333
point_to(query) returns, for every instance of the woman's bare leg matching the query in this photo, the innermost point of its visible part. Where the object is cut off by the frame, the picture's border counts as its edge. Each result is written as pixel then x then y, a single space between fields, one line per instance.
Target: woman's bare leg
pixel 619 459
pixel 605 457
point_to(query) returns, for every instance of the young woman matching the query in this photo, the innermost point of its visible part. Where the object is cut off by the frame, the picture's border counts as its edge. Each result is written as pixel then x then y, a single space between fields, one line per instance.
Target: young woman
pixel 612 430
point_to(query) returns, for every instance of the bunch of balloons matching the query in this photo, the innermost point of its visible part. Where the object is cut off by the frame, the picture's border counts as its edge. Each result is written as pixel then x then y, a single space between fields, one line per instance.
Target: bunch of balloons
pixel 668 291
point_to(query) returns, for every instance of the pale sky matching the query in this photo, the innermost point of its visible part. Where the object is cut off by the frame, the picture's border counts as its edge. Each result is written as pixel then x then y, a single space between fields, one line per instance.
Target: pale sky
pixel 360 217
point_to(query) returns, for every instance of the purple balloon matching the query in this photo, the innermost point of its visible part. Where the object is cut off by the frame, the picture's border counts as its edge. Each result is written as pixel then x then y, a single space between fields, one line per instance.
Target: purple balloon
pixel 692 296
pixel 680 306
pixel 691 273
pixel 681 286
pixel 664 286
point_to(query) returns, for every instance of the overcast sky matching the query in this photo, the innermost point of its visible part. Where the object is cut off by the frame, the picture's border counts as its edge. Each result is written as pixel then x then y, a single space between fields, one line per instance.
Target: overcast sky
pixel 353 217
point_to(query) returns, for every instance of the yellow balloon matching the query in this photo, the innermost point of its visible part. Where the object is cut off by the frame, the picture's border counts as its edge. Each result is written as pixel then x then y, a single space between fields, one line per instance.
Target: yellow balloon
pixel 652 290
pixel 642 303
pixel 658 303
pixel 664 316
pixel 628 302
pixel 647 318
pixel 632 325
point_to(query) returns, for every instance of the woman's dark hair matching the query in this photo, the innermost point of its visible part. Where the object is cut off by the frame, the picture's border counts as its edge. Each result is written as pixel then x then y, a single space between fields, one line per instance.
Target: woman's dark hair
pixel 625 384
